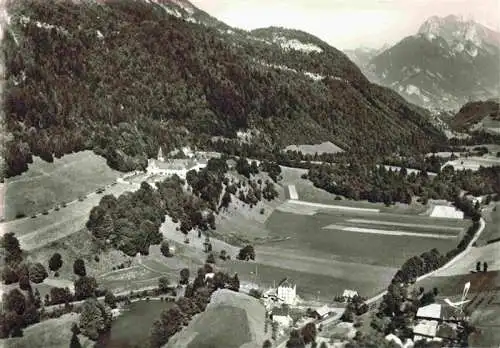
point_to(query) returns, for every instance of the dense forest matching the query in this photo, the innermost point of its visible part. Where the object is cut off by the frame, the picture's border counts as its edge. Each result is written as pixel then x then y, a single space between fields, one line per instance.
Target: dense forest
pixel 378 184
pixel 121 77
pixel 131 223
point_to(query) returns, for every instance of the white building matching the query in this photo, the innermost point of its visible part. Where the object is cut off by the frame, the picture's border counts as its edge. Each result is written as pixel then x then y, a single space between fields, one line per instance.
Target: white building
pixel 168 167
pixel 287 293
pixel 349 294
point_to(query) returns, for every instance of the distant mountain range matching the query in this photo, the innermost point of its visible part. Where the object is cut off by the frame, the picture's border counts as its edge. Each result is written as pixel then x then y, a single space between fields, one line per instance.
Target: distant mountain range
pixel 121 77
pixel 447 63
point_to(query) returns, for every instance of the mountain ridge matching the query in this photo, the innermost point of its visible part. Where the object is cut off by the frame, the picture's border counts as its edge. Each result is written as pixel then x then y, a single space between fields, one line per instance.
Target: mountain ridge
pixel 123 77
pixel 446 64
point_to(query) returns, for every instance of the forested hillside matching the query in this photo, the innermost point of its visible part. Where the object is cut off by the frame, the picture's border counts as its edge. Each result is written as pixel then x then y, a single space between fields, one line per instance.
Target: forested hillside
pixel 474 112
pixel 121 77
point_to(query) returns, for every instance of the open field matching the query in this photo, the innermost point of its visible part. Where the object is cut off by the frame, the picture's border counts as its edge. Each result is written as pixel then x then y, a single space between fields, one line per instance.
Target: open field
pixel 330 260
pixel 306 191
pixel 46 184
pixel 53 333
pixel 231 320
pixel 37 232
pixel 308 232
pixel 326 147
pixel 474 162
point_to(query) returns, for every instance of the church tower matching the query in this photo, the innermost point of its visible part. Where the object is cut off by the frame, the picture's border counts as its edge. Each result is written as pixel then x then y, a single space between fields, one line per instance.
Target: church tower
pixel 160 155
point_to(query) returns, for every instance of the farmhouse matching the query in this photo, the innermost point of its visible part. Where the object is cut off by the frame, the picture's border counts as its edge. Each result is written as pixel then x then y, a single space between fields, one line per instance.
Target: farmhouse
pixel 287 293
pixel 431 312
pixel 435 323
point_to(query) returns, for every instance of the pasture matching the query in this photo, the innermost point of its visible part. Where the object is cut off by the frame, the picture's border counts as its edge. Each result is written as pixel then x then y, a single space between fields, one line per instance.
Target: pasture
pixel 231 320
pixel 53 333
pixel 474 162
pixel 334 232
pixel 38 231
pixel 45 184
pixel 327 251
pixel 326 147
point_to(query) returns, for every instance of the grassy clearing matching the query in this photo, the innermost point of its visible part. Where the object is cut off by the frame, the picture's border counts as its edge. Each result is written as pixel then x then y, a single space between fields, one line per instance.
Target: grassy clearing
pixel 231 320
pixel 474 162
pixel 53 333
pixel 326 147
pixel 310 283
pixel 306 234
pixel 78 245
pixel 46 184
pixel 36 232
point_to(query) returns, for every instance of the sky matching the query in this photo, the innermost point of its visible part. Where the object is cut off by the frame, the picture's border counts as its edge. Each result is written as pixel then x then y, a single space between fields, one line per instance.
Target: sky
pixel 347 24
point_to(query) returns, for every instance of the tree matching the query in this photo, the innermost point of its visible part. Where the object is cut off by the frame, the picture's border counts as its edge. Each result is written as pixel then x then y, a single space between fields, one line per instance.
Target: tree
pixel 75 341
pixel 9 275
pixel 211 259
pixel 323 345
pixel 24 283
pixel 58 296
pixel 309 333
pixel 110 299
pixel 267 344
pixel 15 301
pixel 37 273
pixel 295 340
pixel 79 268
pixel 55 262
pixel 163 284
pixel 30 315
pixel 223 255
pixel 85 287
pixel 184 276
pixel 94 319
pixel 234 283
pixel 247 253
pixel 12 248
pixel 165 249
pixel 158 334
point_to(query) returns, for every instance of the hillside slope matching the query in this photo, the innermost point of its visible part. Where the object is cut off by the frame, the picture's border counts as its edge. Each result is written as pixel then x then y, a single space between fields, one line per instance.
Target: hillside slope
pixel 477 115
pixel 122 77
pixel 232 319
